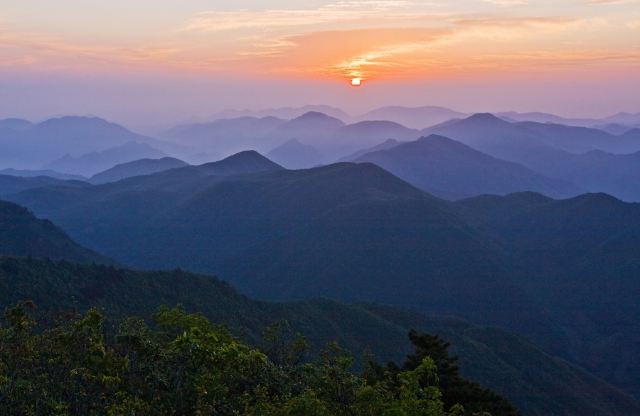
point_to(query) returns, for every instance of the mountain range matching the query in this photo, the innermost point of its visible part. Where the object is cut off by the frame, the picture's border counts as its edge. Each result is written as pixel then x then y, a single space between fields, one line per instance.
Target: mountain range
pixel 452 170
pixel 355 232
pixel 486 353
pixel 24 145
pixel 136 168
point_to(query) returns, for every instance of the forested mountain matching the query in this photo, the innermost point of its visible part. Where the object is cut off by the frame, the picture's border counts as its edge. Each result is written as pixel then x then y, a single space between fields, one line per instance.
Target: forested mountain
pixel 537 383
pixel 452 170
pixel 24 235
pixel 354 232
pixel 136 168
pixel 582 253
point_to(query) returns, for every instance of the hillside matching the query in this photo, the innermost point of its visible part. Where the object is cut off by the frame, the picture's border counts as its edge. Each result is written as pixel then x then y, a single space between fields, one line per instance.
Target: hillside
pixel 581 253
pixel 354 232
pixel 24 235
pixel 538 383
pixel 452 170
pixel 136 168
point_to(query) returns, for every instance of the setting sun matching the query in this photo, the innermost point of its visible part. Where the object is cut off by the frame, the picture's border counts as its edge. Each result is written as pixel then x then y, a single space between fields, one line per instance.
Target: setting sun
pixel 356 82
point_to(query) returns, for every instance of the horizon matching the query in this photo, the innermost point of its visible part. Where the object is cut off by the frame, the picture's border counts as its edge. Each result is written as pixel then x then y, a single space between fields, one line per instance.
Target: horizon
pixel 174 61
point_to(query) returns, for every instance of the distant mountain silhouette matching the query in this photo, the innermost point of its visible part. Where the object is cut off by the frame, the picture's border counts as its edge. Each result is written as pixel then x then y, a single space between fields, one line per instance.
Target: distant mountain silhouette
pixel 412 117
pixel 312 125
pixel 16 124
pixel 34 173
pixel 227 136
pixel 498 137
pixel 10 184
pixel 295 155
pixel 543 148
pixel 287 113
pixel 387 144
pixel 136 168
pixel 372 132
pixel 91 163
pixel 452 170
pixel 330 136
pixel 23 235
pixel 33 146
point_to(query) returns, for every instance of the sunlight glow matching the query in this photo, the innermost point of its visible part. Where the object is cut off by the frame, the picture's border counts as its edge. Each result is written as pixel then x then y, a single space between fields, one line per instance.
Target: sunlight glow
pixel 356 82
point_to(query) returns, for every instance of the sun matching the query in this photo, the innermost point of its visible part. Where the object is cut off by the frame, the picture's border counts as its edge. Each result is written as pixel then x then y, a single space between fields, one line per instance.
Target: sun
pixel 356 82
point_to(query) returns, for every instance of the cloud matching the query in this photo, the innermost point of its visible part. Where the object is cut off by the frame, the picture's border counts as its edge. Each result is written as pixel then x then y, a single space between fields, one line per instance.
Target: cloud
pixel 334 13
pixel 605 2
pixel 507 3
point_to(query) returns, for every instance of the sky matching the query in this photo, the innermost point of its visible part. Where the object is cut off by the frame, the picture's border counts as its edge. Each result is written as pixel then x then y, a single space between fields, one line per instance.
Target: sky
pixel 158 61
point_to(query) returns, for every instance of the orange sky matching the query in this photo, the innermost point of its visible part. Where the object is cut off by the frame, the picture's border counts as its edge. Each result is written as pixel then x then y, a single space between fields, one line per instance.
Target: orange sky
pixel 379 41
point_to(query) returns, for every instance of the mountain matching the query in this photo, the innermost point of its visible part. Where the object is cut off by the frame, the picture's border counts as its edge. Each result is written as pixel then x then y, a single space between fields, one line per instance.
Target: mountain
pixel 372 132
pixel 22 234
pixel 355 232
pixel 597 171
pixel 581 253
pixel 251 228
pixel 531 145
pixel 295 155
pixel 539 384
pixel 629 119
pixel 136 168
pixel 543 148
pixel 34 173
pixel 286 113
pixel 311 125
pixel 330 136
pixel 10 184
pixel 540 117
pixel 413 117
pixel 227 136
pixel 33 146
pixel 387 144
pixel 452 170
pixel 94 162
pixel 506 140
pixel 16 124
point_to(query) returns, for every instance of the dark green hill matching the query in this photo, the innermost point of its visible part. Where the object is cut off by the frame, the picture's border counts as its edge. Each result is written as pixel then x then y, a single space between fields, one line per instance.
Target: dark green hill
pixel 563 273
pixel 580 258
pixel 22 234
pixel 537 383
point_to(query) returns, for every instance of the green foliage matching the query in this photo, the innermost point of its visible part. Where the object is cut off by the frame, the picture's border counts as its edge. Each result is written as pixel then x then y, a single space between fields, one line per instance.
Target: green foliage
pixel 184 365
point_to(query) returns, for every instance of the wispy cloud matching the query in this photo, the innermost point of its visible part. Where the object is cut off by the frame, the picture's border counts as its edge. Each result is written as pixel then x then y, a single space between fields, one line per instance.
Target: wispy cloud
pixel 334 13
